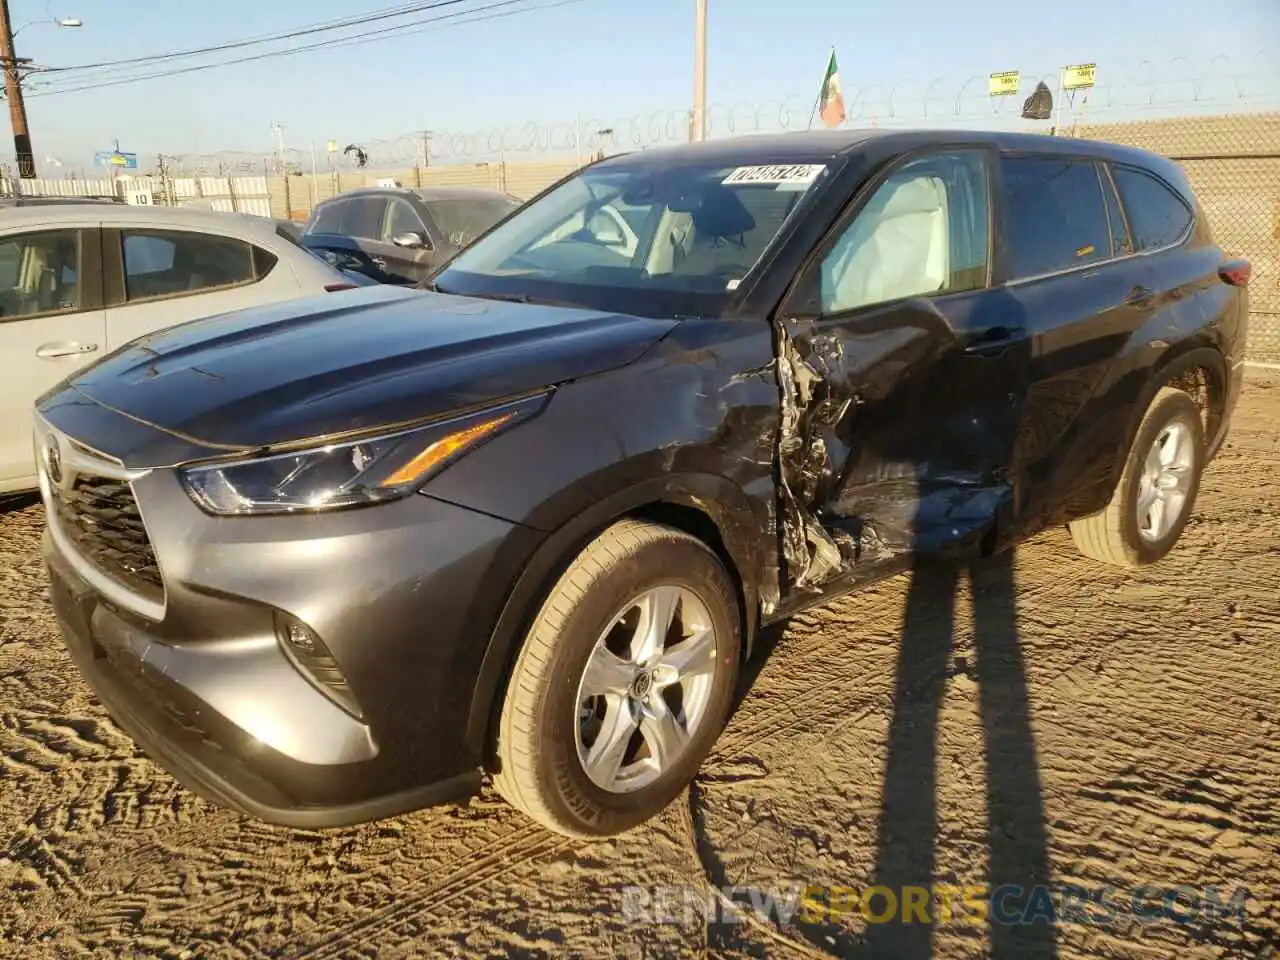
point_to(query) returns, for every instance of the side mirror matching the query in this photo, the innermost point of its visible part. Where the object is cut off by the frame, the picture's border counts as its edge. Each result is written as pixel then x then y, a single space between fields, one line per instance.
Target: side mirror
pixel 412 240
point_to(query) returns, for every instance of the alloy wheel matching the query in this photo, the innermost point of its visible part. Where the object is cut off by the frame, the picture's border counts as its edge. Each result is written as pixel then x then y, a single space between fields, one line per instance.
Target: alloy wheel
pixel 645 689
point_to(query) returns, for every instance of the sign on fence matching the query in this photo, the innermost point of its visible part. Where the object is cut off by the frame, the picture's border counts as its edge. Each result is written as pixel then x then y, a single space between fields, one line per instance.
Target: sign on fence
pixel 1079 75
pixel 1003 84
pixel 114 158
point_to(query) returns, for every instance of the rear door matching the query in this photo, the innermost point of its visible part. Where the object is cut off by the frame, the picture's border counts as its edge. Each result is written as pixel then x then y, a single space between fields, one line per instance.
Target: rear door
pixel 51 324
pixel 157 278
pixel 1068 263
pixel 904 373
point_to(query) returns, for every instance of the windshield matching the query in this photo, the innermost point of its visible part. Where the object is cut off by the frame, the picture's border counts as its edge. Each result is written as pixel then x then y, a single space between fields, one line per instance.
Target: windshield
pixel 667 241
pixel 464 220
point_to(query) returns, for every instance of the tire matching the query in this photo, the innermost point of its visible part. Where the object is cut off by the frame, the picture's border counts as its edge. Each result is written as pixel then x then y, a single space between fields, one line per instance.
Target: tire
pixel 546 727
pixel 1115 535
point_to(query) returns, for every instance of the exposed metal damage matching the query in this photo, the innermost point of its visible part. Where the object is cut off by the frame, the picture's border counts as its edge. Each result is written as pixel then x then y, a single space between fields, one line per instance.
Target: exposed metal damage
pixel 812 555
pixel 910 477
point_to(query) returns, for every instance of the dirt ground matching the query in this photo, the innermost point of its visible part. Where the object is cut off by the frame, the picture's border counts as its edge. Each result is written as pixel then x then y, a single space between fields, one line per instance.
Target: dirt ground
pixel 1068 724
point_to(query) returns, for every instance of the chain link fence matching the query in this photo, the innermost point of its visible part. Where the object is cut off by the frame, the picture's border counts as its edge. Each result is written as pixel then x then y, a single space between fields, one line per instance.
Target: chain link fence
pixel 1233 164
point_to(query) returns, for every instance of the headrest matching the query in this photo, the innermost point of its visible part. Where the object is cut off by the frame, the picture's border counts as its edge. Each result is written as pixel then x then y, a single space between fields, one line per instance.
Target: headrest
pixel 719 213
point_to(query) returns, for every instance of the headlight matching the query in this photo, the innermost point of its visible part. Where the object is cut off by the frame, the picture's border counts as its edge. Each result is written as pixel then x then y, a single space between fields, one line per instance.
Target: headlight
pixel 347 474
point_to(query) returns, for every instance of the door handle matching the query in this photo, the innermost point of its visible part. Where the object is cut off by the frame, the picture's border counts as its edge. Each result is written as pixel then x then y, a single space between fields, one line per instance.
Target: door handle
pixel 378 262
pixel 995 340
pixel 55 351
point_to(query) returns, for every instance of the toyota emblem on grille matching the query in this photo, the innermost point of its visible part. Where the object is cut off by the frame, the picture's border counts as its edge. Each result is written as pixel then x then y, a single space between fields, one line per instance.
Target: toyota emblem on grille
pixel 53 460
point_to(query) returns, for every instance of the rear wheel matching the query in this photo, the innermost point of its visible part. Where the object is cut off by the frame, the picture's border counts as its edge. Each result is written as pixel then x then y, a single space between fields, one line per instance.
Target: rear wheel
pixel 1157 490
pixel 623 683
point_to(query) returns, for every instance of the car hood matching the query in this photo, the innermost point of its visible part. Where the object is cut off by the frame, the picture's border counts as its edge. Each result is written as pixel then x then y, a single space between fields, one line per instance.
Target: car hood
pixel 351 361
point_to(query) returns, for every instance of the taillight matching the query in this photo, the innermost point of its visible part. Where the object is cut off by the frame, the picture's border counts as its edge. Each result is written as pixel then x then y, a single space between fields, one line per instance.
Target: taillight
pixel 335 287
pixel 1236 272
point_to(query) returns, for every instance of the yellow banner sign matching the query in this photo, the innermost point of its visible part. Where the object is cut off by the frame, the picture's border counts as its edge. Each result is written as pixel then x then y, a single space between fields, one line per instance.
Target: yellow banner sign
pixel 1003 84
pixel 1079 75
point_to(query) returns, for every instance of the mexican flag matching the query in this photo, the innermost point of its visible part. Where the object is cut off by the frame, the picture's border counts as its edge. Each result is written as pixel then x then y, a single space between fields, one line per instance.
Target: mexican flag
pixel 831 100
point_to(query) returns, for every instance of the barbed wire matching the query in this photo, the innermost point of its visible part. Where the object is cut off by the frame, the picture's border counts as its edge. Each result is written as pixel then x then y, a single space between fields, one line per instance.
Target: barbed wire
pixel 1223 84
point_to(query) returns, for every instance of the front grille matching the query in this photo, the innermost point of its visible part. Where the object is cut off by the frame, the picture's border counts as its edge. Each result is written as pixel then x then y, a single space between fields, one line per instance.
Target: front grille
pixel 100 517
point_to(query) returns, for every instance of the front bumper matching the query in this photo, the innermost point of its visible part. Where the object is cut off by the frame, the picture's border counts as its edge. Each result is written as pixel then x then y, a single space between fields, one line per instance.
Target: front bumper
pixel 203 751
pixel 403 594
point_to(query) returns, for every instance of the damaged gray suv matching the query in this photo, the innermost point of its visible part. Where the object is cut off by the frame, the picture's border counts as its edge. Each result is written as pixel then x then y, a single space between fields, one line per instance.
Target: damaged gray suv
pixel 340 558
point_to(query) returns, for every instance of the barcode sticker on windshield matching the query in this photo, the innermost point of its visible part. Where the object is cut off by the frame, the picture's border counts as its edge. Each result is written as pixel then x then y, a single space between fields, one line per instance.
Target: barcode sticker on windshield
pixel 776 173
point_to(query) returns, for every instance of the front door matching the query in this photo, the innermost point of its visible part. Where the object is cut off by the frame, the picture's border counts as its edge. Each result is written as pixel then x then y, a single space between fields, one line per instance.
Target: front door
pixel 413 262
pixel 51 325
pixel 903 378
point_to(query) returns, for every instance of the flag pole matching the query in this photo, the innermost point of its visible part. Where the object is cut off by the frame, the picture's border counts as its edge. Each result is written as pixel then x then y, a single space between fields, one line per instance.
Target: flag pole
pixel 817 102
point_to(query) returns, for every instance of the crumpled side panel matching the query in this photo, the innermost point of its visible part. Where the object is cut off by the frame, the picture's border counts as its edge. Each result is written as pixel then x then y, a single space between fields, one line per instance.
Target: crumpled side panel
pixel 892 442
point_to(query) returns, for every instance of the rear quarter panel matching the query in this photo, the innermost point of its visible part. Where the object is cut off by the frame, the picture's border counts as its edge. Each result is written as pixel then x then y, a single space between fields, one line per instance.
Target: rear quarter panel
pixel 1194 324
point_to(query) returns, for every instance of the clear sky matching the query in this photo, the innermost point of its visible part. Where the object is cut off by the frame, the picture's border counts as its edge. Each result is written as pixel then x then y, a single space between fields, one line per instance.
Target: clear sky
pixel 607 61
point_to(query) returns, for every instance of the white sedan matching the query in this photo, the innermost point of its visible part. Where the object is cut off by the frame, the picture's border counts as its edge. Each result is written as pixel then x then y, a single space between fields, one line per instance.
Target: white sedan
pixel 79 280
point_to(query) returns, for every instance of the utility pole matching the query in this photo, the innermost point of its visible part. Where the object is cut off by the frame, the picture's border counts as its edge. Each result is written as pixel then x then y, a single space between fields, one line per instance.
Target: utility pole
pixel 278 128
pixel 698 124
pixel 13 92
pixel 426 149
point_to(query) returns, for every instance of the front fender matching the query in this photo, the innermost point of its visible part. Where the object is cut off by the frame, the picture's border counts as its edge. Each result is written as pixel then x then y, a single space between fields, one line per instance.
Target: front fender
pixel 715 498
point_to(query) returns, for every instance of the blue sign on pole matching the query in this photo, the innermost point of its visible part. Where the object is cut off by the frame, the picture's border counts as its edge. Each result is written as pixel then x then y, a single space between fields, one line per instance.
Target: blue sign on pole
pixel 116 159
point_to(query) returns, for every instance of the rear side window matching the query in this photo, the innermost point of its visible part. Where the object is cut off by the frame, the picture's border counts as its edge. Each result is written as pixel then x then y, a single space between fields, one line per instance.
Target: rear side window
pixel 1158 217
pixel 327 219
pixel 1055 218
pixel 165 263
pixel 263 261
pixel 358 217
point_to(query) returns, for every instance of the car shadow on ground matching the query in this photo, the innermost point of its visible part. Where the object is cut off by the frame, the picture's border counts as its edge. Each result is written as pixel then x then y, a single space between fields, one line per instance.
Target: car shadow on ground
pixel 907 830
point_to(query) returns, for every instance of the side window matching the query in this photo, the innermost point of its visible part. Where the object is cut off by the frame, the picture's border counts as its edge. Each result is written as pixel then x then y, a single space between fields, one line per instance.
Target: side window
pixel 328 219
pixel 924 232
pixel 362 217
pixel 1055 218
pixel 1120 243
pixel 401 218
pixel 39 274
pixel 1157 215
pixel 164 263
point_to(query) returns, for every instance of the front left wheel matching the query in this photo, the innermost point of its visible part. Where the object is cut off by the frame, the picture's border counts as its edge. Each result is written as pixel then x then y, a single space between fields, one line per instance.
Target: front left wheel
pixel 623 684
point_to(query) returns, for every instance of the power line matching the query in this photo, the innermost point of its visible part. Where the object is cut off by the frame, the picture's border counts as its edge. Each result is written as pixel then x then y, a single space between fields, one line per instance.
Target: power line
pixel 386 13
pixel 385 33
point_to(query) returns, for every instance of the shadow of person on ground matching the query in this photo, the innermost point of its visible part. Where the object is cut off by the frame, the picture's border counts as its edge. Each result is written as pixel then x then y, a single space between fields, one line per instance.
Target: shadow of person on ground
pixel 1017 878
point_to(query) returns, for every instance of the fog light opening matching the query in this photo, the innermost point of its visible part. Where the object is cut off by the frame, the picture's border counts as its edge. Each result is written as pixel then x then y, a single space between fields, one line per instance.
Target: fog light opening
pixel 307 652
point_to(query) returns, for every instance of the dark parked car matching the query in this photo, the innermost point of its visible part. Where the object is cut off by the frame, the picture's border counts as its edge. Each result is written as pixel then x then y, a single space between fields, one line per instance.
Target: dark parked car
pixel 405 234
pixel 329 561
